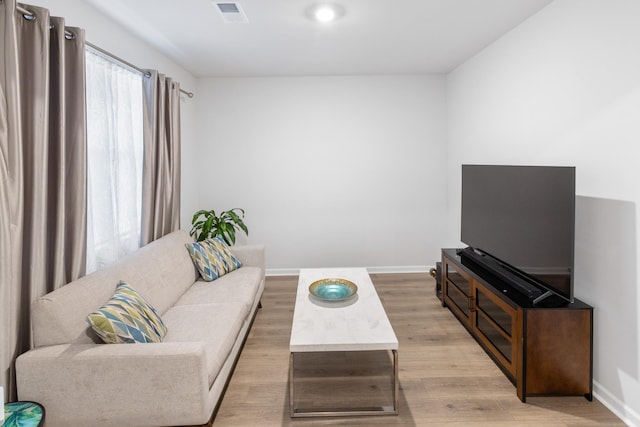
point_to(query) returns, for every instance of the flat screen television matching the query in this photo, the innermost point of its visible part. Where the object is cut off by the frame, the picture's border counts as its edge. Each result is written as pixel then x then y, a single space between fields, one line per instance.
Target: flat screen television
pixel 519 222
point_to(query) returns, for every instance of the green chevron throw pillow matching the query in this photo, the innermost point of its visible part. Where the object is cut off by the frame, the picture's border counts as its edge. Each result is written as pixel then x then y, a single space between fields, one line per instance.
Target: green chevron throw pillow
pixel 213 258
pixel 127 318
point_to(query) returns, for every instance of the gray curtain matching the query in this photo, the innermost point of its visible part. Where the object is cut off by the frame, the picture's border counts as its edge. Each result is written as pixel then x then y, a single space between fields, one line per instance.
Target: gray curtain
pixel 42 169
pixel 161 170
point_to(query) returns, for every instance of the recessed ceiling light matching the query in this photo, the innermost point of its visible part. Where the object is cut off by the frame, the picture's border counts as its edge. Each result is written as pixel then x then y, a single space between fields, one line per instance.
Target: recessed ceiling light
pixel 325 12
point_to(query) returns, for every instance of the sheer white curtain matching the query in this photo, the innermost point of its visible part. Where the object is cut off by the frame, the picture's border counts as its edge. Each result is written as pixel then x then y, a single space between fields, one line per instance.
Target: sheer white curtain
pixel 115 155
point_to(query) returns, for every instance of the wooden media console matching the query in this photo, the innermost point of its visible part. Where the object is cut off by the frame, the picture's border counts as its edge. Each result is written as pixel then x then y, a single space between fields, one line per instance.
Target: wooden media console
pixel 542 350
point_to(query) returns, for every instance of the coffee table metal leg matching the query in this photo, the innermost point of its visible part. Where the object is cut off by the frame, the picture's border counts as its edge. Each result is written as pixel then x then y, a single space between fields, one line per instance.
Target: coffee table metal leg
pixel 396 382
pixel 385 410
pixel 291 408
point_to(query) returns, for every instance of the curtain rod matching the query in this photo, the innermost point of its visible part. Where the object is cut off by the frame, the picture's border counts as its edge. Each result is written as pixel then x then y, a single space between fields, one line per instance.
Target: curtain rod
pixel 129 64
pixel 28 15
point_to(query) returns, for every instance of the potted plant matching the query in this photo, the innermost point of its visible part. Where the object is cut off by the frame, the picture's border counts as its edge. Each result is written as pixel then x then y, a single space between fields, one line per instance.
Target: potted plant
pixel 206 224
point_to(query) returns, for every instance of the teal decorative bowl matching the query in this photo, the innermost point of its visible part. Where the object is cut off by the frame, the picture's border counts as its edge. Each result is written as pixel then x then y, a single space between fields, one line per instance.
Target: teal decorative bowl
pixel 333 289
pixel 23 414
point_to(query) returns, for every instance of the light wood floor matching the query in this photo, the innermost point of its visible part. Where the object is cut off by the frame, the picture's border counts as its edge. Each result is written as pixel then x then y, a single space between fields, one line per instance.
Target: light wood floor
pixel 446 379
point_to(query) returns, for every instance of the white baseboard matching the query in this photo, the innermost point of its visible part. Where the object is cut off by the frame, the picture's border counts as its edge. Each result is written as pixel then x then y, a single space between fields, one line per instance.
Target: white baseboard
pixel 281 271
pixel 371 270
pixel 399 269
pixel 619 408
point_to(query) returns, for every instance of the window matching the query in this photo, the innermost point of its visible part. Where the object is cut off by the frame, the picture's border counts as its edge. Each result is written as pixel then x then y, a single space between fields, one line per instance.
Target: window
pixel 114 159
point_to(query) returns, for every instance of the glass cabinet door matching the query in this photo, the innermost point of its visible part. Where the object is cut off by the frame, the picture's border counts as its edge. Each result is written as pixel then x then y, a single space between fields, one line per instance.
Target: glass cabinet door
pixel 458 289
pixel 495 321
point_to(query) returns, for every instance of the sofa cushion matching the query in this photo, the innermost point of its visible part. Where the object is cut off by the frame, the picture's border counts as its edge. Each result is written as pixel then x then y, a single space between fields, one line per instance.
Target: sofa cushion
pixel 127 318
pixel 238 286
pixel 213 258
pixel 216 325
pixel 161 271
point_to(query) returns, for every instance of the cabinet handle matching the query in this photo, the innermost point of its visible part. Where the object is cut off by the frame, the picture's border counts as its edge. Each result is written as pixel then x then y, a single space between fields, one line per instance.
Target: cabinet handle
pixel 470 303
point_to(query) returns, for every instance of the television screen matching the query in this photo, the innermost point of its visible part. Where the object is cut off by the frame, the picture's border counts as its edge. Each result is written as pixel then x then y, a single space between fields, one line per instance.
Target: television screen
pixel 524 216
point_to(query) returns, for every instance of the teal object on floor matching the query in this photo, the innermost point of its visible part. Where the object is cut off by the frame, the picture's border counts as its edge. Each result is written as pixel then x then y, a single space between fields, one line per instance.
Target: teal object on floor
pixel 23 414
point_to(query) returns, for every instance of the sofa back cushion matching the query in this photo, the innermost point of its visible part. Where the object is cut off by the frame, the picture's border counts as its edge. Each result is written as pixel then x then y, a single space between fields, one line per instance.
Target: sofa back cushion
pixel 161 271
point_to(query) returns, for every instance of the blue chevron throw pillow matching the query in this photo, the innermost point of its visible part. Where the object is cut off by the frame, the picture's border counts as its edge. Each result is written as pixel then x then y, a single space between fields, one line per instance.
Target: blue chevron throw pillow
pixel 213 258
pixel 127 318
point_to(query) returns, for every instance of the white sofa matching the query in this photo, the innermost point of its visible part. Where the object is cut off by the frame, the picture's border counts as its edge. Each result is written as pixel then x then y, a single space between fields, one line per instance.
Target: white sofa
pixel 82 382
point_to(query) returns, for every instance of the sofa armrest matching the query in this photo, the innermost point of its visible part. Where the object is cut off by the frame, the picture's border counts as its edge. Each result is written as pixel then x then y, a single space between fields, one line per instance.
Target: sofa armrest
pixel 250 255
pixel 169 380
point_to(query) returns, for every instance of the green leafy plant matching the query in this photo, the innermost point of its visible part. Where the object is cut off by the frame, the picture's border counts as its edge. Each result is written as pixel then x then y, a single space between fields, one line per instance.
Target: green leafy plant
pixel 206 224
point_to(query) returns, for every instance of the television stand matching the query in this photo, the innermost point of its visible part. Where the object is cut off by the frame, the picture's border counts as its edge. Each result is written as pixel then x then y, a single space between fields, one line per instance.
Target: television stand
pixel 543 350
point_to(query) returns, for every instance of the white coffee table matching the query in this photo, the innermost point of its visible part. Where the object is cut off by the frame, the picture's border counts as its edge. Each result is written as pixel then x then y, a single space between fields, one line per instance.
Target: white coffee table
pixel 357 324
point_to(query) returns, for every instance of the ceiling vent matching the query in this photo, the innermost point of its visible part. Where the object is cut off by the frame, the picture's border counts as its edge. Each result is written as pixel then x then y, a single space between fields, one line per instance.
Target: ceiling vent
pixel 231 12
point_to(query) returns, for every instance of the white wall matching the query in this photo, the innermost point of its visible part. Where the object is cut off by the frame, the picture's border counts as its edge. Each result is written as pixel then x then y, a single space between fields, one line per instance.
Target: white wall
pixel 563 88
pixel 332 171
pixel 105 33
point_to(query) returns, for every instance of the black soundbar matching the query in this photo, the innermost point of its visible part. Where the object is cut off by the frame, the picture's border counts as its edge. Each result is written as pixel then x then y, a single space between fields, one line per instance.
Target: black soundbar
pixel 503 272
